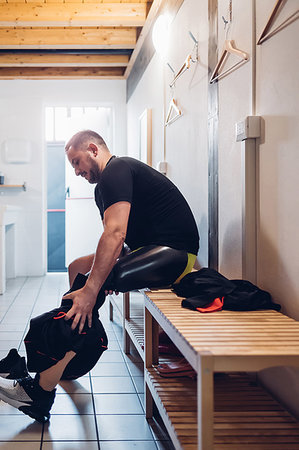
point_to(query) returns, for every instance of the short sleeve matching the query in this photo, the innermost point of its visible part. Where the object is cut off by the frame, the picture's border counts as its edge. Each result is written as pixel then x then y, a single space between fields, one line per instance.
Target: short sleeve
pixel 116 184
pixel 99 200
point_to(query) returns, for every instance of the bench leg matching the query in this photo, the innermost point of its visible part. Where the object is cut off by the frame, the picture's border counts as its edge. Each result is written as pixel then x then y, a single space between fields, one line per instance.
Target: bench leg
pixel 126 316
pixel 151 355
pixel 205 401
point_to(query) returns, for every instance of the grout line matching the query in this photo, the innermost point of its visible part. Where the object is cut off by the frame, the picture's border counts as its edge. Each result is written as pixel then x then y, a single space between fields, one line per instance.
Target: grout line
pixel 94 411
pixel 42 437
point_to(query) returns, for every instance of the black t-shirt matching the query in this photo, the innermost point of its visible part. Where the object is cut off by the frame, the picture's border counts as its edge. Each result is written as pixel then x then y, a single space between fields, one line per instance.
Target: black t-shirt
pixel 159 213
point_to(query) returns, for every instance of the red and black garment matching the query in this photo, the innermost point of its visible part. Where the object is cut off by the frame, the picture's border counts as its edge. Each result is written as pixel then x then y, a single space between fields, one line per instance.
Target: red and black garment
pixel 50 336
pixel 207 290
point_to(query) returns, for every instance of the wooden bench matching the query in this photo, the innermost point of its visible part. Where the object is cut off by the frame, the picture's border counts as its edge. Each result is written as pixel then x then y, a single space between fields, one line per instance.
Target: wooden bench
pixel 220 411
pixel 132 316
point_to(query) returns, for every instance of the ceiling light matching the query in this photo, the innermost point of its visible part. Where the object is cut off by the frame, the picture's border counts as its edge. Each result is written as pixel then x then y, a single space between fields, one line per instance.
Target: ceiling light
pixel 160 34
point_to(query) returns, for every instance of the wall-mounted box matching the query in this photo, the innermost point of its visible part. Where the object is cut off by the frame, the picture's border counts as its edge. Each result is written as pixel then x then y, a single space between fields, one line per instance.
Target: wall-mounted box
pixel 16 151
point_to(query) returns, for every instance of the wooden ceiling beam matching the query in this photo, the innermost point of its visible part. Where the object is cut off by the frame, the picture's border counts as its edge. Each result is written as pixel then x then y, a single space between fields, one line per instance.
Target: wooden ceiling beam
pixel 144 49
pixel 62 60
pixel 39 14
pixel 151 17
pixel 42 73
pixel 68 38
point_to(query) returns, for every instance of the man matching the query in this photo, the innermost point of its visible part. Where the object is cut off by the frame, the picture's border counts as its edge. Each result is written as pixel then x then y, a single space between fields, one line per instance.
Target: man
pixel 139 207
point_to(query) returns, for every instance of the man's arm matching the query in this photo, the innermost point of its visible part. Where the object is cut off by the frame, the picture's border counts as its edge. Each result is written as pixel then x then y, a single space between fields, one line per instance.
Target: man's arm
pixel 109 247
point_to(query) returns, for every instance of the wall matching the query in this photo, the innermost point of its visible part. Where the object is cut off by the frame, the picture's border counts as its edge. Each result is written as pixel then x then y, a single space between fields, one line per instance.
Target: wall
pixel 278 165
pixel 22 116
pixel 185 139
pixel 235 103
pixel 148 94
pixel 278 104
pixel 266 85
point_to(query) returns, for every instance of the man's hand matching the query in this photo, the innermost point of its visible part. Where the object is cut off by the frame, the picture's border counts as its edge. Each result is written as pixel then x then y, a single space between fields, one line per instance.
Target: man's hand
pixel 83 303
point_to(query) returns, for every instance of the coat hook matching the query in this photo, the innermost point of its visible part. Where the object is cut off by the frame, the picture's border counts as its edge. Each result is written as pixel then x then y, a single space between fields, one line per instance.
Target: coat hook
pixel 225 21
pixel 192 37
pixel 172 70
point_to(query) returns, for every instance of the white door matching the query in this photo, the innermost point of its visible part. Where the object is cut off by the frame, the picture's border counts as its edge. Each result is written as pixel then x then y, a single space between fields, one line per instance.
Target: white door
pixel 83 225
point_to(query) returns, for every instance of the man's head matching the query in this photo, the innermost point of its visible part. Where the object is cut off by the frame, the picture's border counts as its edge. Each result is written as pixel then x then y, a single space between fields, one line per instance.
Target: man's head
pixel 88 154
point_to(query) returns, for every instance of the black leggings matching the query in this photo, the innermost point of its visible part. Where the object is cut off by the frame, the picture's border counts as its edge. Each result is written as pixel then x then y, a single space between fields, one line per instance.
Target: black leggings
pixel 151 266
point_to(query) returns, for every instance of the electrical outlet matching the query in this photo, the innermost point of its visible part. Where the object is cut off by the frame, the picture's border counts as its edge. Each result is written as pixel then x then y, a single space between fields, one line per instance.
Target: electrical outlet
pixel 248 128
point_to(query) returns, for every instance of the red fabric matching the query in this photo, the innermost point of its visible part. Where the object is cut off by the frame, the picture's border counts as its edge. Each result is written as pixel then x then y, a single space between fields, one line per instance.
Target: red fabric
pixel 216 305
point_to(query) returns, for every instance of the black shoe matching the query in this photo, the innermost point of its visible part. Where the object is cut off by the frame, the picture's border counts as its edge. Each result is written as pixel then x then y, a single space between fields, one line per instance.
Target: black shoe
pixel 13 366
pixel 26 395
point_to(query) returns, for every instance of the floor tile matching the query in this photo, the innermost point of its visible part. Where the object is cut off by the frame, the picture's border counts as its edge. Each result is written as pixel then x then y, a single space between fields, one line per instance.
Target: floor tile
pixel 110 370
pixel 117 404
pixel 122 427
pixel 111 356
pixel 79 386
pixel 111 336
pixel 70 428
pixel 11 335
pixel 19 428
pixel 139 384
pixel 128 445
pixel 12 326
pixel 112 385
pixel 136 368
pixel 116 383
pixel 70 445
pixel 7 345
pixel 73 404
pixel 14 319
pixel 113 345
pixel 133 356
pixel 20 445
pixel 158 429
pixel 141 399
pixel 6 409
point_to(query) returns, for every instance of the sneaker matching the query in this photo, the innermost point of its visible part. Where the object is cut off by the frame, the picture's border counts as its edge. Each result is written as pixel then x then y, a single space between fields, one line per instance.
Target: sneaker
pixel 26 395
pixel 13 366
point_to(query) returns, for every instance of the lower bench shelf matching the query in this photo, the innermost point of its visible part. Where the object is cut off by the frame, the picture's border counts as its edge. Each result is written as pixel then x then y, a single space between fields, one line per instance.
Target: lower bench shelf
pixel 135 329
pixel 245 415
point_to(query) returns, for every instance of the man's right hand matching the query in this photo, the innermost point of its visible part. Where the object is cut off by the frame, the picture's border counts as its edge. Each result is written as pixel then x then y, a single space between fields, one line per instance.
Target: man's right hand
pixel 83 302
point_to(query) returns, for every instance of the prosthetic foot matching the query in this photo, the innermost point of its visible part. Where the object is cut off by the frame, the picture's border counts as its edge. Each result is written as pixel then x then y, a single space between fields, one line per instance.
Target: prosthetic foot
pixel 13 366
pixel 26 395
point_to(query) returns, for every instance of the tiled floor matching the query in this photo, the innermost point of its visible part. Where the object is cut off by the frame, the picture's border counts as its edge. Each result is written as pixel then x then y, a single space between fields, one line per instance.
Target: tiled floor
pixel 102 410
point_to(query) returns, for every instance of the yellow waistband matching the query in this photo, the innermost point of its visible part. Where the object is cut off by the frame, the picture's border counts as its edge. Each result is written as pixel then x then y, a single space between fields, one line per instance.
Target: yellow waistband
pixel 189 267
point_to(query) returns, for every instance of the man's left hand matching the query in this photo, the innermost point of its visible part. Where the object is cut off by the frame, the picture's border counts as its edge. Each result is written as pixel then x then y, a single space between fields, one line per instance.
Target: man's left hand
pixel 83 303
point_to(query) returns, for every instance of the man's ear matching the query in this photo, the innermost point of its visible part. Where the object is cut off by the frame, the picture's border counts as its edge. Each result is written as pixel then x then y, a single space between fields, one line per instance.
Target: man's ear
pixel 94 149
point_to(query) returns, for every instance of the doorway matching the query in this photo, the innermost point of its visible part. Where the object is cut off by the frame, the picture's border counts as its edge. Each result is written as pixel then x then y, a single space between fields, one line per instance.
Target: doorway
pixel 73 221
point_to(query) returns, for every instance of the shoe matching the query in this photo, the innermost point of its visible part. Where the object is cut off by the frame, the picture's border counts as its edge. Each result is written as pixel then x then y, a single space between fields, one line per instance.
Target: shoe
pixel 179 368
pixel 26 395
pixel 13 366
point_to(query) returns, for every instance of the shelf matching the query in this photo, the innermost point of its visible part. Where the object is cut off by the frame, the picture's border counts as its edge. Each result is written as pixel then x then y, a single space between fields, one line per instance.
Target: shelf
pixel 135 329
pixel 13 186
pixel 245 415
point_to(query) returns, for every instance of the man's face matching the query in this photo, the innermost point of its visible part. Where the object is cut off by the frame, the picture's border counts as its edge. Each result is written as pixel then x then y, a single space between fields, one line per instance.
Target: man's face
pixel 84 164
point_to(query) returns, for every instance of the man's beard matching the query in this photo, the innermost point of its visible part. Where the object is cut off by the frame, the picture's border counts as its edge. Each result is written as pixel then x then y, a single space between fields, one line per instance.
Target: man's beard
pixel 94 172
